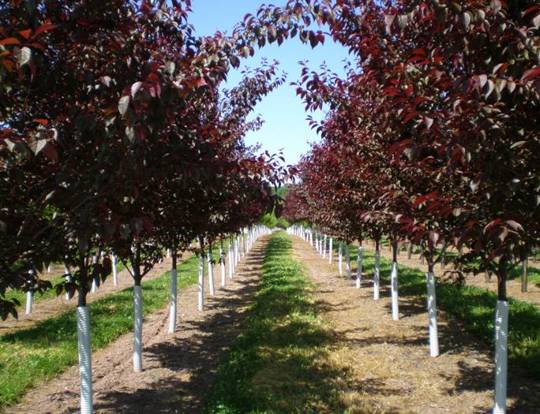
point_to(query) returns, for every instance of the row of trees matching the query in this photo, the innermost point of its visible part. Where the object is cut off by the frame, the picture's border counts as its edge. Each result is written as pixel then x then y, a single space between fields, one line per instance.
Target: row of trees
pixel 116 136
pixel 433 136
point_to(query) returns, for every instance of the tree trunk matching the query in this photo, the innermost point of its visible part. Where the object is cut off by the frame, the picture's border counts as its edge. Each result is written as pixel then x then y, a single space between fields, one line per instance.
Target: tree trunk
pixel 230 259
pixel 94 281
pixel 114 270
pixel 67 276
pixel 85 358
pixel 348 261
pixel 330 250
pixel 200 284
pixel 501 340
pixel 29 301
pixel 137 309
pixel 409 250
pixel 210 261
pixel 340 258
pixel 173 294
pixel 432 310
pixel 394 282
pixel 222 265
pixel 359 266
pixel 525 276
pixel 377 271
pixel 236 252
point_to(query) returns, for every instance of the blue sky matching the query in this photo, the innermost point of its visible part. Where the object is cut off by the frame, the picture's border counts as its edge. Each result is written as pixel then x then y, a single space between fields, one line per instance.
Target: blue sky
pixel 285 118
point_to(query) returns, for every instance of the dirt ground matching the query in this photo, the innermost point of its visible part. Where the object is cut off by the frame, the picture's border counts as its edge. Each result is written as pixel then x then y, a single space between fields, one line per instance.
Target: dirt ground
pixel 47 308
pixel 178 369
pixel 389 361
pixel 513 286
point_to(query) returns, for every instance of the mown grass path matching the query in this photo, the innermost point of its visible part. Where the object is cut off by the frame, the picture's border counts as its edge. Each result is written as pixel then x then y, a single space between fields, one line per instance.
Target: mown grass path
pixel 280 362
pixel 315 344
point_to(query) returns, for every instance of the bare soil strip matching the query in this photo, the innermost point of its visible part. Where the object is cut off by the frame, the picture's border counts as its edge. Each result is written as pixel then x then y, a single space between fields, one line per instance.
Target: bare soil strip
pixel 178 369
pixel 390 367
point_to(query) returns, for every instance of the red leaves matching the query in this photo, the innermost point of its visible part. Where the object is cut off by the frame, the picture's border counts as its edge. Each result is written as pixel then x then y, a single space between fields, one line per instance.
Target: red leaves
pixel 422 200
pixel 45 27
pixel 391 91
pixel 26 33
pixel 531 74
pixel 10 41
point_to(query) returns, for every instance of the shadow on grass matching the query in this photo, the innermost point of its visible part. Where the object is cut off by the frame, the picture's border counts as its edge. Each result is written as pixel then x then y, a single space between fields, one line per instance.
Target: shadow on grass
pixel 279 363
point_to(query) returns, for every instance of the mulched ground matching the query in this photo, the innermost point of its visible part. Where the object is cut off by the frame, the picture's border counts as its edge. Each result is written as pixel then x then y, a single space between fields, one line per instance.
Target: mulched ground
pixel 390 368
pixel 178 369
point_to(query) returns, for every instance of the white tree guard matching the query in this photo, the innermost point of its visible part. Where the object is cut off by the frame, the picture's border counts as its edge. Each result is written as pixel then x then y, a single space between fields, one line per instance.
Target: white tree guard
pixel 230 261
pixel 501 356
pixel 360 258
pixel 211 286
pixel 173 301
pixel 324 247
pixel 137 328
pixel 236 253
pixel 348 261
pixel 200 284
pixel 29 301
pixel 394 291
pixel 94 283
pixel 242 245
pixel 49 269
pixel 340 259
pixel 67 274
pixel 222 266
pixel 85 358
pixel 330 251
pixel 432 315
pixel 377 275
pixel 114 270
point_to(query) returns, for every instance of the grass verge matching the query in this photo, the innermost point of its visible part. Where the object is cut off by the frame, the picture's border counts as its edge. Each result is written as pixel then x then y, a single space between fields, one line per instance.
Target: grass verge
pixel 20 295
pixel 29 357
pixel 279 363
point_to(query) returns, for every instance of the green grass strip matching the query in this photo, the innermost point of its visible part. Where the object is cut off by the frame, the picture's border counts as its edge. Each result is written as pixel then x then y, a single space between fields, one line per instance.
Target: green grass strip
pixel 475 307
pixel 278 364
pixel 32 356
pixel 20 295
